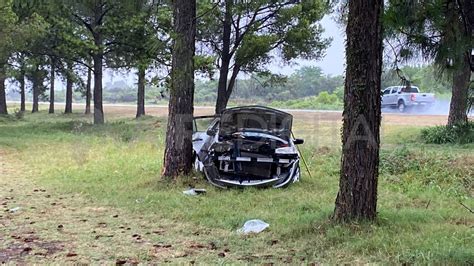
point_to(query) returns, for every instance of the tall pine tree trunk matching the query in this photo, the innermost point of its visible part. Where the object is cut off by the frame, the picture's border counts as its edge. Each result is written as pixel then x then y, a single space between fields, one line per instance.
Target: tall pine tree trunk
pixel 222 87
pixel 357 197
pixel 51 89
pixel 36 89
pixel 36 93
pixel 178 152
pixel 22 91
pixel 97 59
pixel 88 92
pixel 462 75
pixel 69 83
pixel 98 108
pixel 141 92
pixel 3 97
pixel 460 93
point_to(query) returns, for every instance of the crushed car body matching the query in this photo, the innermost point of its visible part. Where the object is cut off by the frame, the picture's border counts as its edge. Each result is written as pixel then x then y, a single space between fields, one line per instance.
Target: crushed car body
pixel 247 146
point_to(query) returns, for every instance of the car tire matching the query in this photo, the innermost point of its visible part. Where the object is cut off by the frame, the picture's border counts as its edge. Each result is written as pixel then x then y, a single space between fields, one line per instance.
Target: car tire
pixel 401 107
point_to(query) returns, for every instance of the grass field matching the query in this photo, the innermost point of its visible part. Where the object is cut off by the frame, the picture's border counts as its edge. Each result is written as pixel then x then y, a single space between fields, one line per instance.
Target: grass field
pixel 94 194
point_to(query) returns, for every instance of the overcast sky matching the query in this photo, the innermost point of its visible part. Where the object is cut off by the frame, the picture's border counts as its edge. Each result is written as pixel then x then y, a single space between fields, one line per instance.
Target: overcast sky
pixel 332 63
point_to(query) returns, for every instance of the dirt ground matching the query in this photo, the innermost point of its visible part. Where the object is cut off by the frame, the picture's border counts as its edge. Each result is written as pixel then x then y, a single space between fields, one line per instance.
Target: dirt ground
pixel 46 226
pixel 390 118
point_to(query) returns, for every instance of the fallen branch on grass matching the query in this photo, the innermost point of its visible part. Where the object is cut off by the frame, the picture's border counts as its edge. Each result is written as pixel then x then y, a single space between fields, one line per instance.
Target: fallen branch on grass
pixel 469 209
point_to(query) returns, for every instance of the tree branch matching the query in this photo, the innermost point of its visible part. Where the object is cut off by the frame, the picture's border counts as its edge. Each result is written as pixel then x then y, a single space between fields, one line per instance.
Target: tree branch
pixel 82 21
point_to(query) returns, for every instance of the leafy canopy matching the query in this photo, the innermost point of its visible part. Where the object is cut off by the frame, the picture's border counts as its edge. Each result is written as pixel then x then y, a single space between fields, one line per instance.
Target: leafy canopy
pixel 261 29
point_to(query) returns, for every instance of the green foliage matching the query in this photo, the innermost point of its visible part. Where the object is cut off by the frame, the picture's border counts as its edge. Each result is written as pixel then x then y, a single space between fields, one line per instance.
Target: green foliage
pixel 205 64
pixel 18 34
pixel 427 78
pixel 142 40
pixel 19 115
pixel 398 161
pixel 324 101
pixel 433 29
pixel 326 98
pixel 460 134
pixel 260 27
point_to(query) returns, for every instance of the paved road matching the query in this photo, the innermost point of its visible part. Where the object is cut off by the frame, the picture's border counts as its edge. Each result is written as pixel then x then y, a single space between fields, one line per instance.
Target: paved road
pixel 390 116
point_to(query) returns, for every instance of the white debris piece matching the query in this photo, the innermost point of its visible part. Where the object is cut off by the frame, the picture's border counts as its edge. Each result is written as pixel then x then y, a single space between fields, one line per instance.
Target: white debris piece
pixel 13 210
pixel 253 226
pixel 194 191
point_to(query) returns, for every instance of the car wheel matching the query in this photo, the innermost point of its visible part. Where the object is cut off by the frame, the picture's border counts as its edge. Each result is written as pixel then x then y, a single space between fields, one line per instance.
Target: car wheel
pixel 401 107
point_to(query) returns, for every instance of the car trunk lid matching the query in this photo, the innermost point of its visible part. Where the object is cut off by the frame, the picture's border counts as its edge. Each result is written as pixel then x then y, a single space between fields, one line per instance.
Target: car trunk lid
pixel 255 119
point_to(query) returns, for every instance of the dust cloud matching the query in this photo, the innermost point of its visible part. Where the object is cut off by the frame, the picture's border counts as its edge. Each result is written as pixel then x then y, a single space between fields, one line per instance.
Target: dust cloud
pixel 440 107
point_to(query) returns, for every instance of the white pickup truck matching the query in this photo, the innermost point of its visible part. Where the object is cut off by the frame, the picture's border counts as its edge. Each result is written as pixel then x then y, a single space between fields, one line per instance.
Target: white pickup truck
pixel 402 97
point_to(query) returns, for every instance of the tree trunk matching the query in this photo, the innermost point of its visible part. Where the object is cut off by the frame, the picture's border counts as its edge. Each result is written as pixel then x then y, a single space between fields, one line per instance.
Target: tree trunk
pixel 22 91
pixel 69 83
pixel 463 68
pixel 97 58
pixel 357 197
pixel 230 86
pixel 36 89
pixel 222 98
pixel 141 92
pixel 460 94
pixel 88 92
pixel 35 109
pixel 51 89
pixel 178 155
pixel 3 97
pixel 98 108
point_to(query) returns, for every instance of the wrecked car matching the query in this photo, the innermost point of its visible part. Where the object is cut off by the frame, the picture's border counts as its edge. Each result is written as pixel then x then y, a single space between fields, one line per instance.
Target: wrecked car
pixel 247 146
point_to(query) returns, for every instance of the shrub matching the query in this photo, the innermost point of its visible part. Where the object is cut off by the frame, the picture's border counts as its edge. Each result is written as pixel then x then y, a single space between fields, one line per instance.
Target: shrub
pixel 326 98
pixel 19 115
pixel 460 134
pixel 398 161
pixel 339 92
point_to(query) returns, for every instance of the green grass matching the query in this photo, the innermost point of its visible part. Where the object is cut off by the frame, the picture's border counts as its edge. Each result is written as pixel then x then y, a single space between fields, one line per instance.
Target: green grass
pixel 119 164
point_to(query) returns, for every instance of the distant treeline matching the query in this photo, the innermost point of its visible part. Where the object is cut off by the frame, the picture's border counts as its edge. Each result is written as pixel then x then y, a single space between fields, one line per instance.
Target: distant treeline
pixel 299 90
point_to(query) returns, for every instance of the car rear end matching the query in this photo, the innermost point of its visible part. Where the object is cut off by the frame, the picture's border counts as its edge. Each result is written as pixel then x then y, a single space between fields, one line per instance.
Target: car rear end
pixel 254 148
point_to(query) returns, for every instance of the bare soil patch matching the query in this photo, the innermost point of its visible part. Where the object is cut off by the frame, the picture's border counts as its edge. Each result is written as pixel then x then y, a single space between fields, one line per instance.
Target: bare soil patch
pixel 41 225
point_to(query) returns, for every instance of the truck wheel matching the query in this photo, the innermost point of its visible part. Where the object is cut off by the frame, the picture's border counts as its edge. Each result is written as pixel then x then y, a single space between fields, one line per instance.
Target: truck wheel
pixel 401 107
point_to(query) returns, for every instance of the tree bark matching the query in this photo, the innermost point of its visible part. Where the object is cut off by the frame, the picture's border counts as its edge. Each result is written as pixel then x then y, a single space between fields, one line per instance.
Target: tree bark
pixel 222 98
pixel 51 89
pixel 97 58
pixel 3 97
pixel 230 86
pixel 36 89
pixel 35 109
pixel 357 197
pixel 460 94
pixel 141 92
pixel 461 77
pixel 88 92
pixel 69 84
pixel 22 91
pixel 178 155
pixel 98 108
